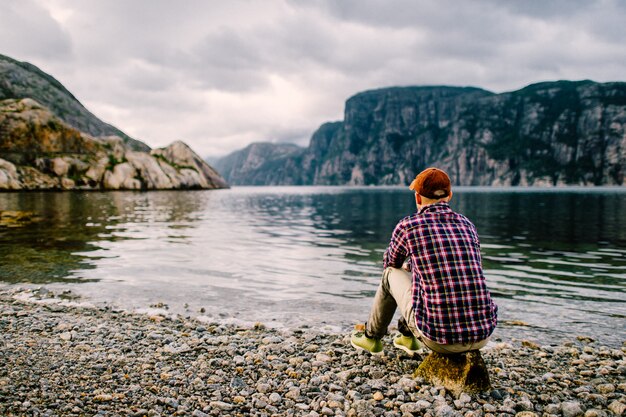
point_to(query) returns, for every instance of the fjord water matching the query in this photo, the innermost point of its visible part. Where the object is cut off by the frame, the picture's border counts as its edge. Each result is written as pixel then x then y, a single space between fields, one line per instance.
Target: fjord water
pixel 555 259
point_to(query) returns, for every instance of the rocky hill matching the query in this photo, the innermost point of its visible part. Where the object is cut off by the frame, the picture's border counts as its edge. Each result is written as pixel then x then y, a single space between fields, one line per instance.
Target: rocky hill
pixel 56 143
pixel 23 80
pixel 551 133
pixel 39 151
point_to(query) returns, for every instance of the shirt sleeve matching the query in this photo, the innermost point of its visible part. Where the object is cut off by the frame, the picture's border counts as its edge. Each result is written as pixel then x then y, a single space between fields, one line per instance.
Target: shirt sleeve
pixel 397 252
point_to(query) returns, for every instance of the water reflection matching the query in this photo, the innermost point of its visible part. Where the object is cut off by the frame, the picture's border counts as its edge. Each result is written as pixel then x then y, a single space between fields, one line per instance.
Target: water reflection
pixel 556 259
pixel 75 228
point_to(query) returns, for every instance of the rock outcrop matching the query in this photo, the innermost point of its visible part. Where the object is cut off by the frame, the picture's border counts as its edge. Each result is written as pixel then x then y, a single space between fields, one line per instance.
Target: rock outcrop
pixel 20 80
pixel 40 151
pixel 552 133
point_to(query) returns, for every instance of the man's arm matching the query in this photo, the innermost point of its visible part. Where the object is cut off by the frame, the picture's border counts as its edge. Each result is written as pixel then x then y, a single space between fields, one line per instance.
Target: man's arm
pixel 397 252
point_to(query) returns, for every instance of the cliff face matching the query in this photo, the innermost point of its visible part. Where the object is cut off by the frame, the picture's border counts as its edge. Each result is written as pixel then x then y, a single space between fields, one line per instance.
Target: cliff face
pixel 20 80
pixel 40 151
pixel 551 133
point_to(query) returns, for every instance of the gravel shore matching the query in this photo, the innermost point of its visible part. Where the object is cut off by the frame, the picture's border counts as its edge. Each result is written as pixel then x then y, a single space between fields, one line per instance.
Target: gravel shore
pixel 60 360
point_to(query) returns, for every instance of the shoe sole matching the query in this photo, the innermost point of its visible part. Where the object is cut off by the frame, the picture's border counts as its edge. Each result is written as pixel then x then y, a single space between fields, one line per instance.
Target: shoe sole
pixel 359 348
pixel 406 349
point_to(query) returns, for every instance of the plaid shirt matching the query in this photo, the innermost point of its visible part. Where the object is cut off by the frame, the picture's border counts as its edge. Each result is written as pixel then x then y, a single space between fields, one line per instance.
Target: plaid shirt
pixel 450 298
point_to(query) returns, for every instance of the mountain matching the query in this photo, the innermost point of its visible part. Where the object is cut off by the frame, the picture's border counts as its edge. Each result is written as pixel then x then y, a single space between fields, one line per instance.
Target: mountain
pixel 57 144
pixel 261 164
pixel 550 133
pixel 23 80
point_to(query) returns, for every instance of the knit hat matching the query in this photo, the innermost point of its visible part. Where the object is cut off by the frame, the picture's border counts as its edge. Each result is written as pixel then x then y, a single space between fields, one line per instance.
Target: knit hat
pixel 432 183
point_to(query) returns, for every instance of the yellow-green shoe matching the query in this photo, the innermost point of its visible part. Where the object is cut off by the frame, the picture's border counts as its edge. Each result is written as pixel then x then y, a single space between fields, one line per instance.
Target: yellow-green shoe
pixel 362 342
pixel 409 344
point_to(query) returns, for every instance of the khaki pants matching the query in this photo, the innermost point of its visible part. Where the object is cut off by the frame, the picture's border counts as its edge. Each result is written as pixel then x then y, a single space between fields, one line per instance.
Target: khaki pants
pixel 395 291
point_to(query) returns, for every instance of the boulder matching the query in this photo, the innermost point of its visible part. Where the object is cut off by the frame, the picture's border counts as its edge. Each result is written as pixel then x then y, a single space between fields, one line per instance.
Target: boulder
pixel 122 177
pixel 96 171
pixel 8 176
pixel 67 183
pixel 59 166
pixel 464 372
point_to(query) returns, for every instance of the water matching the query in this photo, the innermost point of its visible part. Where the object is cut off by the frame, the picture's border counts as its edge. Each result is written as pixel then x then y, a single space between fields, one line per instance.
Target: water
pixel 291 256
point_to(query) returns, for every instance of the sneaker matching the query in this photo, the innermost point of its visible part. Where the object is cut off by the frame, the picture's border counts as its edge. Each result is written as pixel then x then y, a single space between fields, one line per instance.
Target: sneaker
pixel 409 344
pixel 362 342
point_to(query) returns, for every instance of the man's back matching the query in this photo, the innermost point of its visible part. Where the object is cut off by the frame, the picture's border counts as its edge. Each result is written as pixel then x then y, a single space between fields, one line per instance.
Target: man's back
pixel 450 298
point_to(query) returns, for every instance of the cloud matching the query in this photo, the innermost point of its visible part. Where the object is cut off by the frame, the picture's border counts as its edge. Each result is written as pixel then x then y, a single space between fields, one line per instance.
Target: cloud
pixel 220 75
pixel 28 30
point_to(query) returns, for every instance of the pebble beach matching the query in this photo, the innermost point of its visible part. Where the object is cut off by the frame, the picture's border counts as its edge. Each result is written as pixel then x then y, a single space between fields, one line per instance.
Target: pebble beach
pixel 68 359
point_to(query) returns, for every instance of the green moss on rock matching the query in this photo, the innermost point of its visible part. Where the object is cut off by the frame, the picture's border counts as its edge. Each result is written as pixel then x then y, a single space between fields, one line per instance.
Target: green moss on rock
pixel 458 373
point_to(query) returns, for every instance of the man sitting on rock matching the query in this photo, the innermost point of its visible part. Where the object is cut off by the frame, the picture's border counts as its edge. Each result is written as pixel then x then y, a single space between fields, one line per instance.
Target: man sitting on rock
pixel 443 299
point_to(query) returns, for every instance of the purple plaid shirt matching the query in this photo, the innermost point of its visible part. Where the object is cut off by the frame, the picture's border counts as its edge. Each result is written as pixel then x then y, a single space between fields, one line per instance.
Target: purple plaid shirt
pixel 450 298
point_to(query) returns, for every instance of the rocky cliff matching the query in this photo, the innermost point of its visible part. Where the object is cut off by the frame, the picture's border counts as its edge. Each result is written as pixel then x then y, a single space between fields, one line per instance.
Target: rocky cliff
pixel 23 80
pixel 40 151
pixel 552 133
pixel 49 140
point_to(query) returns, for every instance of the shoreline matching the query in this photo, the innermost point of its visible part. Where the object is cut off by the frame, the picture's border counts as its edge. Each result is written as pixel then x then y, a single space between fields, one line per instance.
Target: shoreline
pixel 76 360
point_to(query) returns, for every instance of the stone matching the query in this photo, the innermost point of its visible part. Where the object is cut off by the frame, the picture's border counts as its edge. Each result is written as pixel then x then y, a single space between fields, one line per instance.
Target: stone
pixel 8 176
pixel 263 388
pixel 67 183
pixel 530 344
pixel 617 408
pixel 489 408
pixel 221 405
pixel 326 411
pixel 59 166
pixel 552 409
pixel 595 413
pixel 445 411
pixel 293 393
pixel 571 409
pixel 605 388
pixel 412 408
pixel 459 373
pixel 275 398
pixel 122 177
pixel 524 404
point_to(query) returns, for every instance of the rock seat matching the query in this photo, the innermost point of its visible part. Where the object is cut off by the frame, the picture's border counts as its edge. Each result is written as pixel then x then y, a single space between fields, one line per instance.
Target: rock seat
pixel 464 372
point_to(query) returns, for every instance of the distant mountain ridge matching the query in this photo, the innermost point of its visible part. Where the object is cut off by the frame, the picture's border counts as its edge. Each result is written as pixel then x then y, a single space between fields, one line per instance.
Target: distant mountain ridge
pixel 549 133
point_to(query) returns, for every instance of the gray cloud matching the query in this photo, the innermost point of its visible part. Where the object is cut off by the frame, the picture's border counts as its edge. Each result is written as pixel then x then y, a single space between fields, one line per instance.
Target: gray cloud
pixel 28 30
pixel 222 74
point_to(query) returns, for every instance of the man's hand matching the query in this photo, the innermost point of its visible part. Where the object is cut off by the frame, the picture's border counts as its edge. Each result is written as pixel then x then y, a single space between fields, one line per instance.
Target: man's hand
pixel 407 265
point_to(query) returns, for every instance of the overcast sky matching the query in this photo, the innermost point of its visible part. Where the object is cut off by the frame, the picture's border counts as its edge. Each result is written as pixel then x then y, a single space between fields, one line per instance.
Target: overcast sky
pixel 222 74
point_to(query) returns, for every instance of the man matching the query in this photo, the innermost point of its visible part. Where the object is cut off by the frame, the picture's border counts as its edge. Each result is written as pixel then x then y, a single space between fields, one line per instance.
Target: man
pixel 443 301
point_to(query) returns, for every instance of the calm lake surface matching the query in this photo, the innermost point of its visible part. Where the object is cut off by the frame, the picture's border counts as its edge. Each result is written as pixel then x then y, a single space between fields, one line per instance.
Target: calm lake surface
pixel 292 256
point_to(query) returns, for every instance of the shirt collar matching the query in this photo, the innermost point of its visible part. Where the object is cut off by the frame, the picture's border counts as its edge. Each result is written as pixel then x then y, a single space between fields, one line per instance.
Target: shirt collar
pixel 435 208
